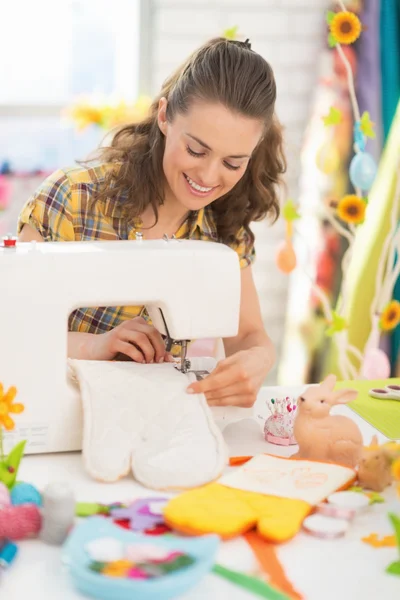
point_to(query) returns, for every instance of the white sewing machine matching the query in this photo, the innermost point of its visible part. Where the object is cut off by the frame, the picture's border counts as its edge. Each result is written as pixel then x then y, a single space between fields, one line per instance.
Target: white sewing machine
pixel 190 288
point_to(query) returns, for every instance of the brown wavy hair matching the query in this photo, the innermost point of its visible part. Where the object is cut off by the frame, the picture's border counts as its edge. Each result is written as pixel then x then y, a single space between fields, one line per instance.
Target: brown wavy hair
pixel 224 71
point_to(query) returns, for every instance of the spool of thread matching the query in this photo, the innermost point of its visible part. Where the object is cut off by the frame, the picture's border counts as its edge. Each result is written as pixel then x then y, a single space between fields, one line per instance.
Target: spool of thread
pixel 20 522
pixel 58 513
pixel 25 493
pixel 8 552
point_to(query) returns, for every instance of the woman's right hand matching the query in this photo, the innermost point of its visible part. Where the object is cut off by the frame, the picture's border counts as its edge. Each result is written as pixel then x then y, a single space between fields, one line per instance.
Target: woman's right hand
pixel 135 339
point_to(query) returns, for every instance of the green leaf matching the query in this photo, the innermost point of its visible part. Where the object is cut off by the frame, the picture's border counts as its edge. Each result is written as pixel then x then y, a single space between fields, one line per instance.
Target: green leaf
pixel 231 33
pixel 332 41
pixel 330 15
pixel 334 117
pixel 396 524
pixel 375 498
pixel 394 568
pixel 289 211
pixel 12 460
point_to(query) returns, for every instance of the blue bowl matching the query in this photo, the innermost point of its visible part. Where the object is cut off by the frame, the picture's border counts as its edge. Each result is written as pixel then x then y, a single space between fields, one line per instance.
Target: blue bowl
pixel 203 549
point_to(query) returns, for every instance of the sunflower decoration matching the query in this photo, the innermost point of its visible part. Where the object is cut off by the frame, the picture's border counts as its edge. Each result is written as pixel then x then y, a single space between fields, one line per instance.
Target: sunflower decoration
pixel 390 316
pixel 345 28
pixel 351 209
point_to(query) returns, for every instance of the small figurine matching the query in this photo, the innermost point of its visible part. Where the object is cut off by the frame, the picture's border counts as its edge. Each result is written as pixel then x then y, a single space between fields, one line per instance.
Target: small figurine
pixel 375 468
pixel 325 437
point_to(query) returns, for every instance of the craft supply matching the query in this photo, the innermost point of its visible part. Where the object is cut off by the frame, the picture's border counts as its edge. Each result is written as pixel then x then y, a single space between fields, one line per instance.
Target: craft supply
pixel 278 428
pixel 270 493
pixel 267 557
pixel 350 500
pixel 325 527
pixel 25 493
pixel 389 392
pixel 8 553
pixel 322 436
pixel 251 584
pixel 336 512
pixel 4 494
pixel 20 522
pixel 106 549
pixel 187 560
pixel 387 541
pixel 58 513
pixel 138 514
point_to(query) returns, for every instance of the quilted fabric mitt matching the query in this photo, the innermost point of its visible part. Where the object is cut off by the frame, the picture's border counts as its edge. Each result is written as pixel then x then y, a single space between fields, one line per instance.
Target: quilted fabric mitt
pixel 139 418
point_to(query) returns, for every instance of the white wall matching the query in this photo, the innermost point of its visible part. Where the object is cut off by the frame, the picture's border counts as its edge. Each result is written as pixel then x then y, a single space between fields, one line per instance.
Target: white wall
pixel 289 34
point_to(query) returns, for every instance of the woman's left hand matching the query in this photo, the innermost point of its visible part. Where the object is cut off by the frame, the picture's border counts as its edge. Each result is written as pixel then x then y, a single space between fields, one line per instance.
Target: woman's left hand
pixel 236 380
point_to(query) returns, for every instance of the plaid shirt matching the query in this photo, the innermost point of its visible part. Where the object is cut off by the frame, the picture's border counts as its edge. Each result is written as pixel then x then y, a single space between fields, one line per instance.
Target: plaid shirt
pixel 61 209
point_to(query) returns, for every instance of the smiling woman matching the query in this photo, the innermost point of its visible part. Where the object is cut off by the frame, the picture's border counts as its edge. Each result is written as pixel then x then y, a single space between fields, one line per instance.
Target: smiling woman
pixel 204 164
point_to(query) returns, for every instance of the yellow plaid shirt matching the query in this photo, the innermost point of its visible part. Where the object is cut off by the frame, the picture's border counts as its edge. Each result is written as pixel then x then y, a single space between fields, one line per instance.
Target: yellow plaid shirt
pixel 62 209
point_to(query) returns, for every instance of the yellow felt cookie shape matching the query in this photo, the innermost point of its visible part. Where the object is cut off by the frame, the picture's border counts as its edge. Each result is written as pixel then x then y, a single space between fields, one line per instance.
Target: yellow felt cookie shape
pixel 270 493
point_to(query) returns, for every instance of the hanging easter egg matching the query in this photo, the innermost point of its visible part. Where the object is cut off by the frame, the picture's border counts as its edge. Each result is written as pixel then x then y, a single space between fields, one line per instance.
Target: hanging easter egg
pixel 362 170
pixel 328 159
pixel 376 364
pixel 285 257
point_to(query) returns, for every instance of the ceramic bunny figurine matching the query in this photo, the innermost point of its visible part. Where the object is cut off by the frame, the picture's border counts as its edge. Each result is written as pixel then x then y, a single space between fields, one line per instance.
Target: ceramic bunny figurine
pixel 375 468
pixel 325 437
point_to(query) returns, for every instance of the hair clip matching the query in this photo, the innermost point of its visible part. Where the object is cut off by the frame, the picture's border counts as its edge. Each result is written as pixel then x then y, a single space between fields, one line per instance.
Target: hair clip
pixel 247 44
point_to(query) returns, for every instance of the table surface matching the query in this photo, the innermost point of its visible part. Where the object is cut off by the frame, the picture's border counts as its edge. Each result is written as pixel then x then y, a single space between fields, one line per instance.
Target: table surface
pixel 345 569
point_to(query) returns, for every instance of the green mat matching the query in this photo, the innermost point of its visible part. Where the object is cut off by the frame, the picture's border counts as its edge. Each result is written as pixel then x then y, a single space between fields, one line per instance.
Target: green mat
pixel 384 415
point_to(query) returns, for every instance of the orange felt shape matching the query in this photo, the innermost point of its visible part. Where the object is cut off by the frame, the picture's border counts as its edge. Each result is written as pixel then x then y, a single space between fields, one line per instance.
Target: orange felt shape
pixel 238 502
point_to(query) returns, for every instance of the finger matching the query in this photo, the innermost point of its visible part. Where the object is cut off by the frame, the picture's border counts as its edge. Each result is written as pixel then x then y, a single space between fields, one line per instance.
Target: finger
pixel 129 350
pixel 239 400
pixel 168 357
pixel 155 338
pixel 215 381
pixel 241 388
pixel 142 342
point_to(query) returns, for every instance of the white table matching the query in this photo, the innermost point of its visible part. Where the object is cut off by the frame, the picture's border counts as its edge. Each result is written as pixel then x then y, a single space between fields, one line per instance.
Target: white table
pixel 344 569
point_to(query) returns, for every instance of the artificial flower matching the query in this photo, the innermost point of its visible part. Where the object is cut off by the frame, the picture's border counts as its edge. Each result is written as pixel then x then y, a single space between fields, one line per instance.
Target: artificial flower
pixel 231 33
pixel 7 407
pixel 351 209
pixel 390 317
pixel 345 27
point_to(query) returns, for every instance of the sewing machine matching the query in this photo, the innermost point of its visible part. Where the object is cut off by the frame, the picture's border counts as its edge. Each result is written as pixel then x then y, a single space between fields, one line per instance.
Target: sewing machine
pixel 190 288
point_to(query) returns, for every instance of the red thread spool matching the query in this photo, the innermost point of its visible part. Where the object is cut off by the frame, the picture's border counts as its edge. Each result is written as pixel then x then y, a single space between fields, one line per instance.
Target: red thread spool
pixel 20 522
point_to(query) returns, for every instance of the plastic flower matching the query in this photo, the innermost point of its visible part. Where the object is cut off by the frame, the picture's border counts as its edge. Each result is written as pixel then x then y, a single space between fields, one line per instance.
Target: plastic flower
pixel 390 317
pixel 345 27
pixel 7 407
pixel 351 209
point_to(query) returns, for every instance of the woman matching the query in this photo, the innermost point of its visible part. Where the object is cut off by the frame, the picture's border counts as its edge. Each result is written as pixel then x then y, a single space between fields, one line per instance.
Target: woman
pixel 203 165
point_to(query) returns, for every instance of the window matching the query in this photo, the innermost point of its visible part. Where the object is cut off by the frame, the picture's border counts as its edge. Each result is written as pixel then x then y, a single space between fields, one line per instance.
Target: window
pixel 53 53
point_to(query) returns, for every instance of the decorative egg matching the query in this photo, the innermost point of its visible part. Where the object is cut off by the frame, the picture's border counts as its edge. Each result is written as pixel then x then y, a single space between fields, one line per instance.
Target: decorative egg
pixel 285 257
pixel 328 159
pixel 4 495
pixel 376 364
pixel 362 170
pixel 25 493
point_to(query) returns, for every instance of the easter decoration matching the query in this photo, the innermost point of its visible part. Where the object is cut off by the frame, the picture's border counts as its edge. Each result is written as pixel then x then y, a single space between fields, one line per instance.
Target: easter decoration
pixel 346 216
pixel 9 464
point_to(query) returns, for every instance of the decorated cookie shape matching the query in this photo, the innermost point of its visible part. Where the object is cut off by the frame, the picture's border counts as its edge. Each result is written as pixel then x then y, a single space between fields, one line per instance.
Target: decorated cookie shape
pixel 278 428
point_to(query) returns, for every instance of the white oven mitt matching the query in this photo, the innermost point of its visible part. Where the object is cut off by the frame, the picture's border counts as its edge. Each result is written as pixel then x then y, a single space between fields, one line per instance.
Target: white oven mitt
pixel 139 417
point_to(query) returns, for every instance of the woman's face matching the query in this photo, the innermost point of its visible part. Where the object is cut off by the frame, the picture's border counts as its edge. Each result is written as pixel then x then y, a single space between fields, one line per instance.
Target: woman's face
pixel 207 151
